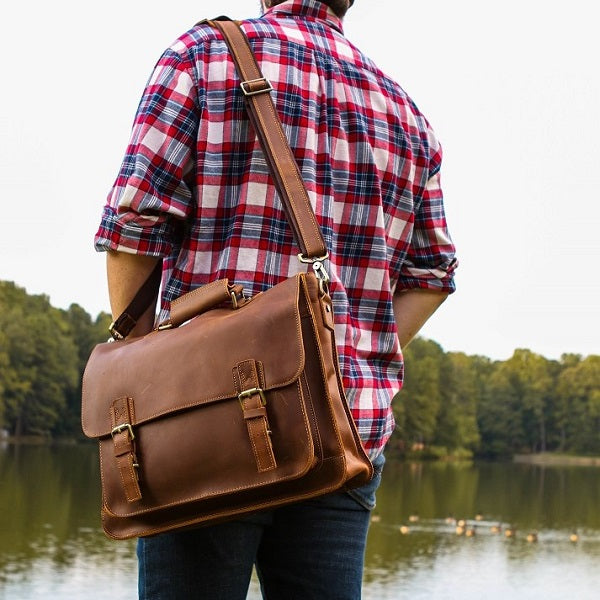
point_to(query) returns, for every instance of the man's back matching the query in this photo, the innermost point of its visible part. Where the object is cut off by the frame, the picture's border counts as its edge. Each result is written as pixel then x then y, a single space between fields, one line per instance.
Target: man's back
pixel 197 188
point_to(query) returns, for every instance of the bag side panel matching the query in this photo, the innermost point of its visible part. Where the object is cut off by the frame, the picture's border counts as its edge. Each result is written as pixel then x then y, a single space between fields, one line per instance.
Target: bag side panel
pixel 327 382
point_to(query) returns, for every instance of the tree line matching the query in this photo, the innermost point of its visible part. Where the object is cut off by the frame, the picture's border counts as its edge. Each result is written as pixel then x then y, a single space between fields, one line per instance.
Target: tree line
pixel 452 404
pixel 43 352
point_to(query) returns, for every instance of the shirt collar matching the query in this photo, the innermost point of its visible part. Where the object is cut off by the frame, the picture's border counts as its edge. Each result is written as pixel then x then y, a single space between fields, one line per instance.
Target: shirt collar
pixel 308 8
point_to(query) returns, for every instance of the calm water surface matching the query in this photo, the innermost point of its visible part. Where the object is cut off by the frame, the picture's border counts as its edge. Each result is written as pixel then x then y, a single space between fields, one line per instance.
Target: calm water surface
pixel 52 547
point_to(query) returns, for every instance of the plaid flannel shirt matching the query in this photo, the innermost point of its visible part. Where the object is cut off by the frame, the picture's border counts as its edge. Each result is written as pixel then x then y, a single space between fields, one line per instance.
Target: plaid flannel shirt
pixel 194 187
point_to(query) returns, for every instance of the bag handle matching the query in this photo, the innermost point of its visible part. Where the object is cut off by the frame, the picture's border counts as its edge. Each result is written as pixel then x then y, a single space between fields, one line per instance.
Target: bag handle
pixel 282 166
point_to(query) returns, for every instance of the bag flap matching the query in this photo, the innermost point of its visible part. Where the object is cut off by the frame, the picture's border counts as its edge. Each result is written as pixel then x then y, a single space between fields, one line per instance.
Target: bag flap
pixel 177 369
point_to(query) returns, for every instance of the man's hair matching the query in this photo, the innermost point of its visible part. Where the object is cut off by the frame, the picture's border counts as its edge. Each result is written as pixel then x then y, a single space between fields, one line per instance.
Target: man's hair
pixel 339 7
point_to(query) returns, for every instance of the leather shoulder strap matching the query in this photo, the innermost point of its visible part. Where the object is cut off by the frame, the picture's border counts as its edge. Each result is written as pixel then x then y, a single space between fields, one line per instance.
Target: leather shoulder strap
pixel 145 297
pixel 269 130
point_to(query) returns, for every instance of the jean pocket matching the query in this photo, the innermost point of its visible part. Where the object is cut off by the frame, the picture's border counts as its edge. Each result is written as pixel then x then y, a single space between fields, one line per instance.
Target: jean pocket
pixel 365 495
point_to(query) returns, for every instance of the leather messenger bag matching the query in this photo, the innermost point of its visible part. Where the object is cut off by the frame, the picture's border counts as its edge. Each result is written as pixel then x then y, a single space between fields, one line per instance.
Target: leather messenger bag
pixel 233 405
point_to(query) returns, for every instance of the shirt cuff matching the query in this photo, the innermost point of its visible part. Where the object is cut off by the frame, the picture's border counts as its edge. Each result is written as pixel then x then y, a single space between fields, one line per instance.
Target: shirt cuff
pixel 116 233
pixel 439 279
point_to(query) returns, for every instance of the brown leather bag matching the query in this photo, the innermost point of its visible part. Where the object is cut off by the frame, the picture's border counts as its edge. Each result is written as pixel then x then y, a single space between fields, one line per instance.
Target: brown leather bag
pixel 233 405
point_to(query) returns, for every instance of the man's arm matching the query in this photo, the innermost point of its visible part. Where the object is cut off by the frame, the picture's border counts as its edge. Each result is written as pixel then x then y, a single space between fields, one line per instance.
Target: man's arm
pixel 412 308
pixel 126 273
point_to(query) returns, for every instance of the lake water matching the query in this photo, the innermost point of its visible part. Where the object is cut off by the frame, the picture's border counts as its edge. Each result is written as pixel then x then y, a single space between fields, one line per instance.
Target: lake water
pixel 52 547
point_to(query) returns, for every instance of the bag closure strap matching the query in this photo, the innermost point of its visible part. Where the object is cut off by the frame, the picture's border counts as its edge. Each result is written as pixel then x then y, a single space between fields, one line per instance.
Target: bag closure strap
pixel 122 419
pixel 247 381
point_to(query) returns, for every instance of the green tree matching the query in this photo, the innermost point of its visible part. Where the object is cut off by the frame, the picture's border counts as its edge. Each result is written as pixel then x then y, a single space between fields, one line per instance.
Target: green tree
pixel 499 415
pixel 4 374
pixel 421 397
pixel 42 361
pixel 85 333
pixel 532 378
pixel 578 391
pixel 457 418
pixel 513 413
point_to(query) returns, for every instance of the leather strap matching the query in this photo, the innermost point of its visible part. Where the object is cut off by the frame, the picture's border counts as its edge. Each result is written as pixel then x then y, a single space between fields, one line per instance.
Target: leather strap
pixel 269 130
pixel 248 383
pixel 121 327
pixel 124 446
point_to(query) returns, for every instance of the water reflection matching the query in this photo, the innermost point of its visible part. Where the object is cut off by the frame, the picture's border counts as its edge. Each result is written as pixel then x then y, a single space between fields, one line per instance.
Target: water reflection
pixel 51 544
pixel 431 555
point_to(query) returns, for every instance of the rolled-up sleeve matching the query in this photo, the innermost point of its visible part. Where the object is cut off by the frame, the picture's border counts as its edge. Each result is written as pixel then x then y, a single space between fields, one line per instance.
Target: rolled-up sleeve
pixel 430 259
pixel 153 192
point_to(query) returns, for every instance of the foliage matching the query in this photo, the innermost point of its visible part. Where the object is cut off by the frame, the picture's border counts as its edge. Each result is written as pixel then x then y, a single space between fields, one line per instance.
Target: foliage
pixel 42 355
pixel 451 404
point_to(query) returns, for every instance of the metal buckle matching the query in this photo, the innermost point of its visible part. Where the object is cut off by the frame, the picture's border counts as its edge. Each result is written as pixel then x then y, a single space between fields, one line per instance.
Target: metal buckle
pixel 252 392
pixel 123 427
pixel 310 261
pixel 235 299
pixel 319 269
pixel 320 272
pixel 114 333
pixel 248 92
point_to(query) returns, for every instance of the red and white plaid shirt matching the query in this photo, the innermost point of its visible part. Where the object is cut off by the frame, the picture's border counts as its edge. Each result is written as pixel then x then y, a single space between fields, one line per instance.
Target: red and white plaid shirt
pixel 194 187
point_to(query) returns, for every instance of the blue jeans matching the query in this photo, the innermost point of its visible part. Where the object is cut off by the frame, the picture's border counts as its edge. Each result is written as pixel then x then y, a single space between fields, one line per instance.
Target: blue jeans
pixel 310 550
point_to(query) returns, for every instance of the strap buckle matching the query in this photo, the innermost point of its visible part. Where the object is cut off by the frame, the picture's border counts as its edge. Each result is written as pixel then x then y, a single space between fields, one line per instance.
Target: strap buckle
pixel 251 392
pixel 114 332
pixel 123 427
pixel 237 299
pixel 249 89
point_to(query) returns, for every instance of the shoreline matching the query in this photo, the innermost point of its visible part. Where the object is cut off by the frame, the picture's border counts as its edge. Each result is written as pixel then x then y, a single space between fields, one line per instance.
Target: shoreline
pixel 38 440
pixel 563 460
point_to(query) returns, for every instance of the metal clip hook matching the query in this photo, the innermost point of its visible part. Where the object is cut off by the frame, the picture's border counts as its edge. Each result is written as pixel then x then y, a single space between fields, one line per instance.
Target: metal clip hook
pixel 319 269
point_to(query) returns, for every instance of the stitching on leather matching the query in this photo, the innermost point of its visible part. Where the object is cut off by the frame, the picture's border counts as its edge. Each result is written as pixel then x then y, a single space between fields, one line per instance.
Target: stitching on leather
pixel 125 462
pixel 255 483
pixel 267 504
pixel 260 427
pixel 300 277
pixel 319 348
pixel 198 291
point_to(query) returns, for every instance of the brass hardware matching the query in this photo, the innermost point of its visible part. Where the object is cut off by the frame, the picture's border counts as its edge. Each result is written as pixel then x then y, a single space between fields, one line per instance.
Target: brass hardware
pixel 164 326
pixel 123 427
pixel 310 261
pixel 235 299
pixel 252 392
pixel 320 272
pixel 248 92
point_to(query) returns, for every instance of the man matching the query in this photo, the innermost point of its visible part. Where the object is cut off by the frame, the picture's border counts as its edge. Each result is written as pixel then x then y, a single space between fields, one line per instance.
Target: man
pixel 194 190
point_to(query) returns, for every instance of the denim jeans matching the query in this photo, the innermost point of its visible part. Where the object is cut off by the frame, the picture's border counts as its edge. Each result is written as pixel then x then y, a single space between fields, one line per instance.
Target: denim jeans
pixel 309 550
